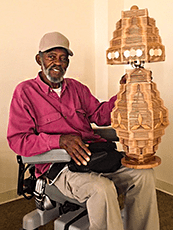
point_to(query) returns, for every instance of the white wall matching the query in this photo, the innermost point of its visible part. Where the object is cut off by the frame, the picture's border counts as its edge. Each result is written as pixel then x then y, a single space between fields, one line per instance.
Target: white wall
pixel 101 40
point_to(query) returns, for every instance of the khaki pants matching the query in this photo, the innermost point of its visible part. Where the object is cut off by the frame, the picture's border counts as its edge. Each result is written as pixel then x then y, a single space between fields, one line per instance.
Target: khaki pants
pixel 100 194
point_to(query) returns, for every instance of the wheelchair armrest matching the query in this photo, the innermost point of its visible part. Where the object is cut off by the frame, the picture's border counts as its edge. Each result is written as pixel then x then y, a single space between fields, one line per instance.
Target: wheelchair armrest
pixel 60 155
pixel 52 156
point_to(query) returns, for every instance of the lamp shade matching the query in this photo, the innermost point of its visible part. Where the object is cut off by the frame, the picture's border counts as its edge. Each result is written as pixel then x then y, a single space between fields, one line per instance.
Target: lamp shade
pixel 136 38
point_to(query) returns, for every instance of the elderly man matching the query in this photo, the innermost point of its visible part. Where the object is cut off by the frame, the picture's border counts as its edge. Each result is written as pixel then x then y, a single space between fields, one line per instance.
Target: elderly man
pixel 51 112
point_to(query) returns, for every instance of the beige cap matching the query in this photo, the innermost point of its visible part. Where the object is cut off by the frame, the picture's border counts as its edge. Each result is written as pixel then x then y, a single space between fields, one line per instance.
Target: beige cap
pixel 54 40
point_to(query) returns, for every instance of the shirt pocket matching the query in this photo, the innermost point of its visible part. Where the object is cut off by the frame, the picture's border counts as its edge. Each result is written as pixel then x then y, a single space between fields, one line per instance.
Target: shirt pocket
pixel 49 122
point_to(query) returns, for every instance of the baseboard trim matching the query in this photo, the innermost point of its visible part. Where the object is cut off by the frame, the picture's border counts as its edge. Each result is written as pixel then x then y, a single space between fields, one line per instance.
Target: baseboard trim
pixel 9 196
pixel 164 187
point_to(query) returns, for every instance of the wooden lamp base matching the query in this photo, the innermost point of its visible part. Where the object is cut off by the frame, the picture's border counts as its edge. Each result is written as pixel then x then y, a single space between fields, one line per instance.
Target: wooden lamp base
pixel 135 165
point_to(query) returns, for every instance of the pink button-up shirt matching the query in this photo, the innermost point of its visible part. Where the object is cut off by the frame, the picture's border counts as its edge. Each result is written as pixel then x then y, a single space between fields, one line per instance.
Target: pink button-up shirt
pixel 38 116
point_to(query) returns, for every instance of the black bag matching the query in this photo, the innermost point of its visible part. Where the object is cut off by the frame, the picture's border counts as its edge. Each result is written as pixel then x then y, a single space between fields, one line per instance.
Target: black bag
pixel 104 159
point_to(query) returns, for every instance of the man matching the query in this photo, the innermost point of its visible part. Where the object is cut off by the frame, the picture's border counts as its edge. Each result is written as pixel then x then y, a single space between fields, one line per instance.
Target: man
pixel 51 112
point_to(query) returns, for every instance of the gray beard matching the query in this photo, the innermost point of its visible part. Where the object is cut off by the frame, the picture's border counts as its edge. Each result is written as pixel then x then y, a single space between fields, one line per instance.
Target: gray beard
pixel 52 79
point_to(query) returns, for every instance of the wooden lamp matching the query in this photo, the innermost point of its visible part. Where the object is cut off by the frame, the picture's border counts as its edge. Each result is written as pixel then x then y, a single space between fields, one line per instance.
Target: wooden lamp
pixel 139 115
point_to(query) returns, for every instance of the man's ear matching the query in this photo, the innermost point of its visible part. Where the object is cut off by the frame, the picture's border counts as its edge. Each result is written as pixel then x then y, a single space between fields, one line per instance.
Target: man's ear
pixel 38 59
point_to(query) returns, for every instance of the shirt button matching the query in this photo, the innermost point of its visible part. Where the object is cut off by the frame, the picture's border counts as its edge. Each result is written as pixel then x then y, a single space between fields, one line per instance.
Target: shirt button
pixel 65 117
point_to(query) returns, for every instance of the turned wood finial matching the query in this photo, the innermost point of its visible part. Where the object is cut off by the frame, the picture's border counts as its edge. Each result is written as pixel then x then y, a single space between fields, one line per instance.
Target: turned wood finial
pixel 134 7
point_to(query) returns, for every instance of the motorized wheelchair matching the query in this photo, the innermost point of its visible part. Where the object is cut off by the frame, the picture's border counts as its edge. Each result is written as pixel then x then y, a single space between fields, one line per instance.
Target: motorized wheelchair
pixel 50 202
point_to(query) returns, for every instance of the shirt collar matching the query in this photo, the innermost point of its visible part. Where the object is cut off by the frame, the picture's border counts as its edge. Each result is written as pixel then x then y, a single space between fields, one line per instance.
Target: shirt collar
pixel 47 88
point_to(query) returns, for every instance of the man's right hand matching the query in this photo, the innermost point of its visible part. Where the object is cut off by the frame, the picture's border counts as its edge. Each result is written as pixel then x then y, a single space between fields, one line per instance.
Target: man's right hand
pixel 75 147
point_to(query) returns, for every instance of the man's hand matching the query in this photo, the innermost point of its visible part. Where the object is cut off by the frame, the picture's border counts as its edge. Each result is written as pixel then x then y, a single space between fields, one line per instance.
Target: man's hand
pixel 123 79
pixel 75 147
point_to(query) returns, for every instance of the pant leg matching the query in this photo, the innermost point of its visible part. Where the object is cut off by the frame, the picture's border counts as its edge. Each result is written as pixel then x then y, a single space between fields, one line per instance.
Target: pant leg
pixel 141 211
pixel 100 195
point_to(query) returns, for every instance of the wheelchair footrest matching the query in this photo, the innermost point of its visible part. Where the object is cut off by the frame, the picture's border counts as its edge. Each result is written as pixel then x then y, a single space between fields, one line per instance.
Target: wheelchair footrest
pixel 76 220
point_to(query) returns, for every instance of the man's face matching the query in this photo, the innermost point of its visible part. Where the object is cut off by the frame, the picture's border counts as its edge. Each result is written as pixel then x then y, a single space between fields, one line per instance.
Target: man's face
pixel 54 64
